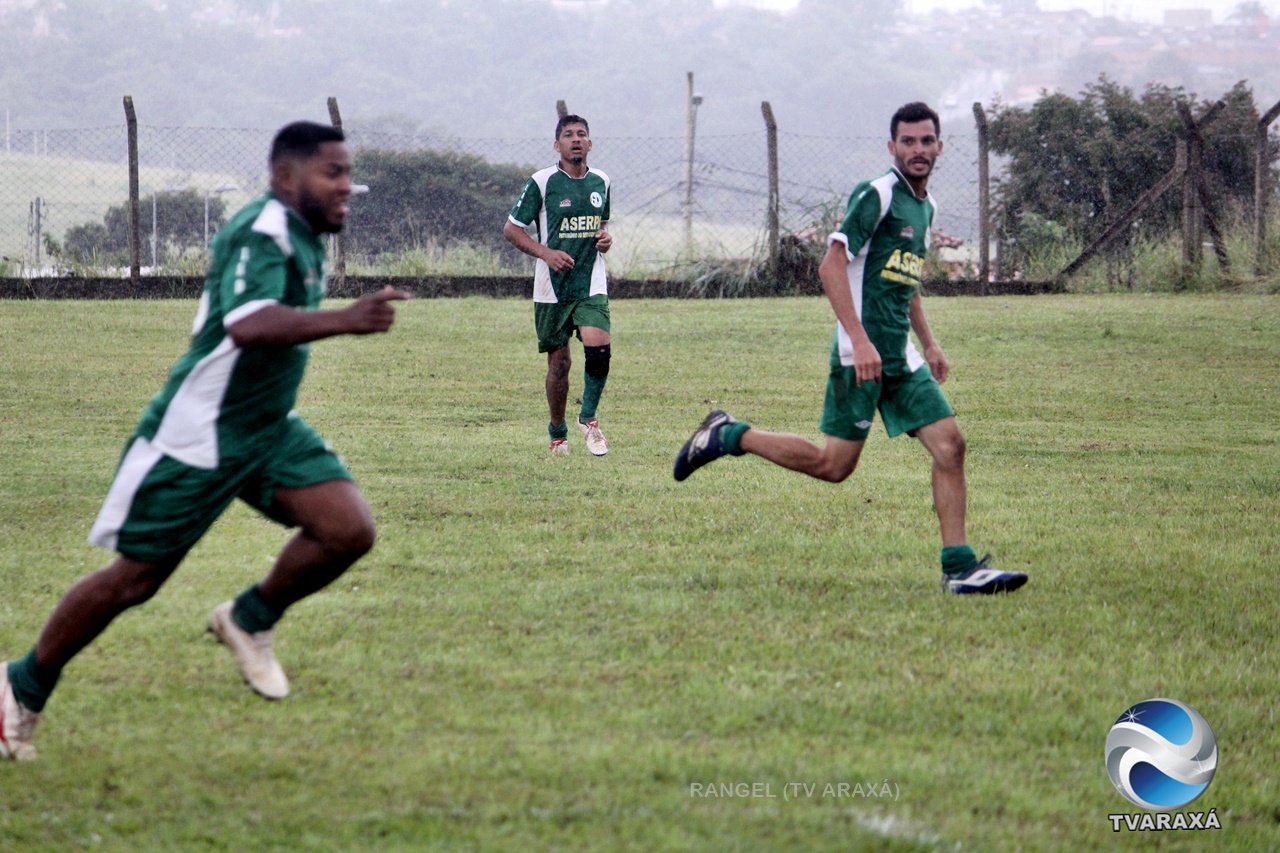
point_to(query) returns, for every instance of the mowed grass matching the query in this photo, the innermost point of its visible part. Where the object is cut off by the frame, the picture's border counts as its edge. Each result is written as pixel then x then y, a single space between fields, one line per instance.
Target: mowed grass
pixel 546 654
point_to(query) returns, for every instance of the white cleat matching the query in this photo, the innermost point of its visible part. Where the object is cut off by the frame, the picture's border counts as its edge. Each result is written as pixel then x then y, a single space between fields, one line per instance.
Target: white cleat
pixel 17 724
pixel 559 447
pixel 253 652
pixel 596 442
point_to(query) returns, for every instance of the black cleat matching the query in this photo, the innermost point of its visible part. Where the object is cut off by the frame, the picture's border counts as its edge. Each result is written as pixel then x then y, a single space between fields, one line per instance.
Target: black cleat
pixel 704 445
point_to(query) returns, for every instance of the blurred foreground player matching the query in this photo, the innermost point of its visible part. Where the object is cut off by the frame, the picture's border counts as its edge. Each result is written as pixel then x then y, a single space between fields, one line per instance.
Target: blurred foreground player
pixel 222 428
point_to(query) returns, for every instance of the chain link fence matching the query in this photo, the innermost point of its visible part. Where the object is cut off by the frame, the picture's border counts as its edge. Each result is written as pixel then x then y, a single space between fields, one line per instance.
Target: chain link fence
pixel 64 194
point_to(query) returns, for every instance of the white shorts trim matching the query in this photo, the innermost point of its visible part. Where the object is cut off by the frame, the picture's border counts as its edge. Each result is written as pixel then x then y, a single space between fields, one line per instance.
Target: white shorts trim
pixel 134 468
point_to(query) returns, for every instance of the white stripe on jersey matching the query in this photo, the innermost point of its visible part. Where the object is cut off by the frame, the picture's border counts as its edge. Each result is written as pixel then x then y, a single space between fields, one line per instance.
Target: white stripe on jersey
pixel 543 291
pixel 273 221
pixel 858 261
pixel 189 429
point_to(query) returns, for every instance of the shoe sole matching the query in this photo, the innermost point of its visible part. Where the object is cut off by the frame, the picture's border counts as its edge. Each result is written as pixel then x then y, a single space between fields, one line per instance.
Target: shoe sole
pixel 995 588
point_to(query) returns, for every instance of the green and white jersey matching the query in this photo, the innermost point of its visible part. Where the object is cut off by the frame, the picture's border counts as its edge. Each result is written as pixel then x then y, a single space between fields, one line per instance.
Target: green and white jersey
pixel 885 235
pixel 222 402
pixel 568 212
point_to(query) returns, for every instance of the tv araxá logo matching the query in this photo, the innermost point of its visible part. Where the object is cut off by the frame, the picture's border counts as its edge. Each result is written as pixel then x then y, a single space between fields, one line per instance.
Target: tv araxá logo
pixel 1161 755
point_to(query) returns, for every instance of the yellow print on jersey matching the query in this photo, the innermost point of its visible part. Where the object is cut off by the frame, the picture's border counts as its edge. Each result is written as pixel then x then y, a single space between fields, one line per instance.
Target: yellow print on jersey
pixel 579 226
pixel 904 268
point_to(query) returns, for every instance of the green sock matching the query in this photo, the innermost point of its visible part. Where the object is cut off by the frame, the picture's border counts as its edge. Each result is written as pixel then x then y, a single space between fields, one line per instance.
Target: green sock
pixel 958 559
pixel 731 435
pixel 592 388
pixel 31 683
pixel 253 614
pixel 561 431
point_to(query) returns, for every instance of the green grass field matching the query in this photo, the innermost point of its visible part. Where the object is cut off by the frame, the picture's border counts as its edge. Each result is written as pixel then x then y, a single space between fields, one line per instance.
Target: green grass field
pixel 548 654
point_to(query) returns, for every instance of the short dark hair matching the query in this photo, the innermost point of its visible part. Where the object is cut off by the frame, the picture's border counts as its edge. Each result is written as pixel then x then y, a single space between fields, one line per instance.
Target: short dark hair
pixel 302 139
pixel 571 119
pixel 912 112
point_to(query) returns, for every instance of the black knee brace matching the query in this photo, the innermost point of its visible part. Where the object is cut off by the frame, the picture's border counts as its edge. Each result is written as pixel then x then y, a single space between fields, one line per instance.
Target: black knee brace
pixel 597 361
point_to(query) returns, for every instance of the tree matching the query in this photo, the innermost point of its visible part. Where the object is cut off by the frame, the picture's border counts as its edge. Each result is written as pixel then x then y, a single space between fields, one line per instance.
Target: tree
pixel 86 243
pixel 416 197
pixel 1081 162
pixel 179 222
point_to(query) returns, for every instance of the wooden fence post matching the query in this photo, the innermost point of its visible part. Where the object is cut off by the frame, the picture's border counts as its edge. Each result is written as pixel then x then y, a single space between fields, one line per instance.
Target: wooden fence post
pixel 1208 210
pixel 562 109
pixel 131 124
pixel 1260 188
pixel 690 124
pixel 1154 192
pixel 339 245
pixel 984 198
pixel 771 136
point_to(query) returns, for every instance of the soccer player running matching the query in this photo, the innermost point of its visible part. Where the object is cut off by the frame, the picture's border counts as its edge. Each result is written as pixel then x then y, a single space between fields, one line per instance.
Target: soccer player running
pixel 222 428
pixel 569 202
pixel 871 276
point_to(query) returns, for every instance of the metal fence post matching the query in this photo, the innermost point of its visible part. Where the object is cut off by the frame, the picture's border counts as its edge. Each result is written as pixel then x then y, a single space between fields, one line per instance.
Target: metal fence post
pixel 35 231
pixel 131 122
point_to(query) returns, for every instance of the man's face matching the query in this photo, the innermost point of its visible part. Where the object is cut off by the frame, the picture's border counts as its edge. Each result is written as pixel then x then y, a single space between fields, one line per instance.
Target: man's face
pixel 915 148
pixel 573 143
pixel 322 186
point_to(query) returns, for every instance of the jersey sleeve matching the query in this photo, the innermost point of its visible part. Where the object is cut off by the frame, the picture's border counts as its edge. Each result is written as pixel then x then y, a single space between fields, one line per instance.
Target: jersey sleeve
pixel 526 208
pixel 860 219
pixel 257 276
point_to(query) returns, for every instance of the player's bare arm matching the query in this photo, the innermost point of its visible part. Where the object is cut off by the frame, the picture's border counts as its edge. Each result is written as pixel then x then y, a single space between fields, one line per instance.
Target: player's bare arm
pixel 518 237
pixel 930 349
pixel 835 282
pixel 282 326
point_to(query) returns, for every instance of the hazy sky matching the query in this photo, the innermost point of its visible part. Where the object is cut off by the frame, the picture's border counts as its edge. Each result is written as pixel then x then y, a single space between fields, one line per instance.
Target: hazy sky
pixel 1142 10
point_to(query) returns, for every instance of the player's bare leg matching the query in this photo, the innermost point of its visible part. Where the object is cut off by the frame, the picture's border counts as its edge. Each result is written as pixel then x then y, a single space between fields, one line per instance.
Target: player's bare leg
pixel 833 462
pixel 80 616
pixel 720 434
pixel 336 530
pixel 946 445
pixel 963 572
pixel 93 602
pixel 558 364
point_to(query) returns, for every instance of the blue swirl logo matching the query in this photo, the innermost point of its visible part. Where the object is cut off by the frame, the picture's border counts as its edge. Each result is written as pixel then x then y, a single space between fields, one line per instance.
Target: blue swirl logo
pixel 1161 754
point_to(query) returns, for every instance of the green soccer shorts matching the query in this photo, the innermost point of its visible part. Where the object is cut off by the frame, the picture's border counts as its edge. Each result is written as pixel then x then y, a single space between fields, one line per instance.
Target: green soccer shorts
pixel 556 321
pixel 906 403
pixel 158 507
